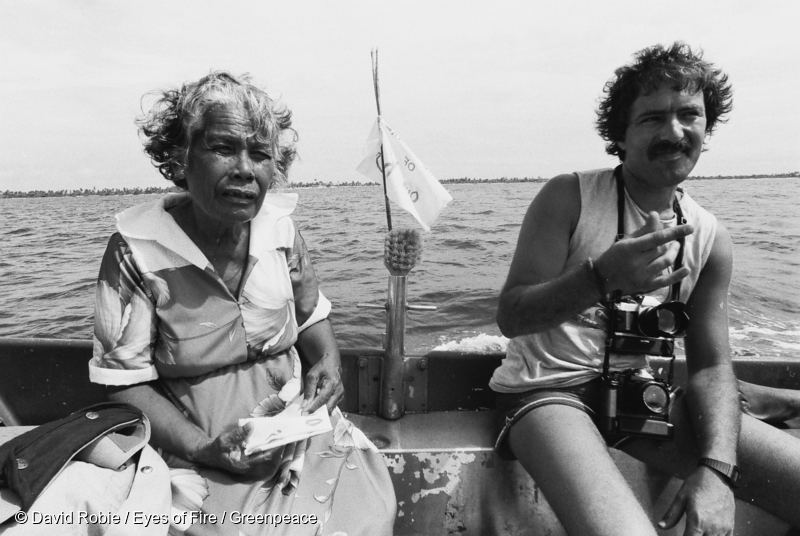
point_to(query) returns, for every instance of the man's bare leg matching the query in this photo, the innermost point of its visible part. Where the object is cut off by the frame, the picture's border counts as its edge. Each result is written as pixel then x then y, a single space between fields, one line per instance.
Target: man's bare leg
pixel 769 403
pixel 769 460
pixel 564 453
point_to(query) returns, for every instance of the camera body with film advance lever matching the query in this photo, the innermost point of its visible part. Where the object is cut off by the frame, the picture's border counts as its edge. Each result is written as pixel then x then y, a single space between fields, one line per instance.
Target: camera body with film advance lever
pixel 633 404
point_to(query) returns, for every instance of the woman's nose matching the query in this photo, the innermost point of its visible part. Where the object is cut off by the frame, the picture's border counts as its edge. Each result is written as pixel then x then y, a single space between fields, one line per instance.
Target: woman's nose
pixel 245 167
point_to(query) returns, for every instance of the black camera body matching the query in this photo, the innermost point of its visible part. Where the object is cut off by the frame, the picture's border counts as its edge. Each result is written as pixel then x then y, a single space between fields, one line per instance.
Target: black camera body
pixel 642 329
pixel 632 404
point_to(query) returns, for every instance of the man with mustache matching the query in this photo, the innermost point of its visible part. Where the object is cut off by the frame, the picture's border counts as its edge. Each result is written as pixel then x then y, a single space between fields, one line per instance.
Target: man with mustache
pixel 590 239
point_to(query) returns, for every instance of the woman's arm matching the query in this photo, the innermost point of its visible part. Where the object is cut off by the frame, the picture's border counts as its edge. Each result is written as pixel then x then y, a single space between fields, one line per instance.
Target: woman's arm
pixel 318 349
pixel 172 431
pixel 316 343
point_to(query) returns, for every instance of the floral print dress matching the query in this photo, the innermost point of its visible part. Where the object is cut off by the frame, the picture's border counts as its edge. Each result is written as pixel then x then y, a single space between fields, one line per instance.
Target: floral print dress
pixel 163 314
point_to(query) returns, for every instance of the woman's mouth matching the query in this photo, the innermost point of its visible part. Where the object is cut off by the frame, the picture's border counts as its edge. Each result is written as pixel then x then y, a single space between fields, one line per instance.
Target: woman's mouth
pixel 235 195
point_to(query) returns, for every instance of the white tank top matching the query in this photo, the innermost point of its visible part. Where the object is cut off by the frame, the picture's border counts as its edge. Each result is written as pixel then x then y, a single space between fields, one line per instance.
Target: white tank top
pixel 573 352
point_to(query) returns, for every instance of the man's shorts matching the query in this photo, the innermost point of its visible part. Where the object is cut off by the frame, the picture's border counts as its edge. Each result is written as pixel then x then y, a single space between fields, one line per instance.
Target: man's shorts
pixel 511 407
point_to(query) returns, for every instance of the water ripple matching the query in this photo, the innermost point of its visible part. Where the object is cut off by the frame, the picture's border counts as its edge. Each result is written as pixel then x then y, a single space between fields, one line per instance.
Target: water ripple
pixel 52 249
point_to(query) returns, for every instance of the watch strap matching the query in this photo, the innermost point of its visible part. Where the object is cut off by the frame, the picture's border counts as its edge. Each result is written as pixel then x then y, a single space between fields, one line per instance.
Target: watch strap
pixel 730 472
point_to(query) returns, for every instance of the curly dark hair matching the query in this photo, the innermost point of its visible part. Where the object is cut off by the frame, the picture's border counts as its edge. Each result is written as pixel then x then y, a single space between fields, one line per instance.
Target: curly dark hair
pixel 178 114
pixel 678 66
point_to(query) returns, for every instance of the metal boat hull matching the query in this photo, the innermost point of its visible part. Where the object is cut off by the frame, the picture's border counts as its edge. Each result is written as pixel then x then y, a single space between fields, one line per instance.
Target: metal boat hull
pixel 446 477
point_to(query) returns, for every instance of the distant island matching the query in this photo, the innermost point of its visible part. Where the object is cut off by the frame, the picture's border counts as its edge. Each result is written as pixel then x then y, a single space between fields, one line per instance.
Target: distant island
pixel 319 184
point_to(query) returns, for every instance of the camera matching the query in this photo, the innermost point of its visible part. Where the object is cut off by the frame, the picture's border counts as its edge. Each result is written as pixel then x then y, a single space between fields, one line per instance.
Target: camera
pixel 633 404
pixel 641 325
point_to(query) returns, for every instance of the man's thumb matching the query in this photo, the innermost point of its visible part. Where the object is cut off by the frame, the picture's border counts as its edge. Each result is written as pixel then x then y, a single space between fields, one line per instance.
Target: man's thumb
pixel 673 515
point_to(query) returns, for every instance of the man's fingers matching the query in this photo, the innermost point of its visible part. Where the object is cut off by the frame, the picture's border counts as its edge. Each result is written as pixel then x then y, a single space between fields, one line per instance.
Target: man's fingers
pixel 669 280
pixel 673 515
pixel 662 237
pixel 693 530
pixel 652 223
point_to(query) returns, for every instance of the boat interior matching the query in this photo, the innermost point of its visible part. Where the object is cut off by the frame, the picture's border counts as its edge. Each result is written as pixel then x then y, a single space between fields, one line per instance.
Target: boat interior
pixel 438 443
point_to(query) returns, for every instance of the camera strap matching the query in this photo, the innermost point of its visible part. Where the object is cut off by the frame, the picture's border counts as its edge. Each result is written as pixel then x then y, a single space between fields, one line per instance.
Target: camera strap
pixel 675 289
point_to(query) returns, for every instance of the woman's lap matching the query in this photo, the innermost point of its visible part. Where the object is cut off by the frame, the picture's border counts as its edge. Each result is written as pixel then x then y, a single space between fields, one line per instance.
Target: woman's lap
pixel 339 482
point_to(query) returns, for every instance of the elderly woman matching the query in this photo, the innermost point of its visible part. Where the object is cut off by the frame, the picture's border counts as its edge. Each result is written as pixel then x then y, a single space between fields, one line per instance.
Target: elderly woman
pixel 207 308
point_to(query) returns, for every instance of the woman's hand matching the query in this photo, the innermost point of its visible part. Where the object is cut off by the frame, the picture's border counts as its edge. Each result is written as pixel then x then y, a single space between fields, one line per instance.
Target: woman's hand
pixel 323 384
pixel 227 452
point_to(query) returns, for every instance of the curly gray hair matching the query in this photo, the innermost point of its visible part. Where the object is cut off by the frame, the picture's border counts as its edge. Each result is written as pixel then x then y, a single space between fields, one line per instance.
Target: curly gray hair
pixel 178 114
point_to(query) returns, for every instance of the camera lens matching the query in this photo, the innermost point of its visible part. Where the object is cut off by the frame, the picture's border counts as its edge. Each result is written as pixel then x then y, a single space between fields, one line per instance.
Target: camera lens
pixel 655 398
pixel 666 321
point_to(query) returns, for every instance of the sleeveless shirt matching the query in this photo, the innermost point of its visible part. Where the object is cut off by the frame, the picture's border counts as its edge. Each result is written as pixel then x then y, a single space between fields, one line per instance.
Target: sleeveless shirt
pixel 573 352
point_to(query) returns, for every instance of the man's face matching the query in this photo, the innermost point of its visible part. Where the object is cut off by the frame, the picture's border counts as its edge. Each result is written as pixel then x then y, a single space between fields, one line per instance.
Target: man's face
pixel 665 136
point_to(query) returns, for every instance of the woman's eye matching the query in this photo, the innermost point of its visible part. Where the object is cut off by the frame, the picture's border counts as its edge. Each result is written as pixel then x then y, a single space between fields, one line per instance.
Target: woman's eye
pixel 222 149
pixel 261 155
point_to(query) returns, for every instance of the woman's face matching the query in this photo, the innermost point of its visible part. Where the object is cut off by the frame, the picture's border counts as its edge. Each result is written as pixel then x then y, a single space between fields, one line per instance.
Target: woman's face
pixel 228 170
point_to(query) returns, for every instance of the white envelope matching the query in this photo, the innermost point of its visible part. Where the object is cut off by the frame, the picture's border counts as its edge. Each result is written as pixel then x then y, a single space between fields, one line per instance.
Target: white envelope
pixel 286 427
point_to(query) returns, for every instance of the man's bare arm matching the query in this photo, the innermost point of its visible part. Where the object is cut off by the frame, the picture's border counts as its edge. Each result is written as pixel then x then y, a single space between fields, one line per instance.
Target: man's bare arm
pixel 539 294
pixel 712 394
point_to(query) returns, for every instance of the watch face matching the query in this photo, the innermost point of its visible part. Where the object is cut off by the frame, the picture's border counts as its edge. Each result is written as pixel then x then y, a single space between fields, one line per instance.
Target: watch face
pixel 736 476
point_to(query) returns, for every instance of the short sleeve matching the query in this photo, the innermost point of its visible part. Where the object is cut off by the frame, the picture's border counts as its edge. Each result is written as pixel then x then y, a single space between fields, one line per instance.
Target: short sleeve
pixel 311 306
pixel 124 321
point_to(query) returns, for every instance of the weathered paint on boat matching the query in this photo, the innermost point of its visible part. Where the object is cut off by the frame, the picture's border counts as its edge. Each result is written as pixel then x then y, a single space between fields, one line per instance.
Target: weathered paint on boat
pixel 446 476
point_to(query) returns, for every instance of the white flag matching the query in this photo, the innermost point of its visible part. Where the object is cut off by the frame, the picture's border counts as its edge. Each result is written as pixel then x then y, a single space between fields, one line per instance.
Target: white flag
pixel 408 182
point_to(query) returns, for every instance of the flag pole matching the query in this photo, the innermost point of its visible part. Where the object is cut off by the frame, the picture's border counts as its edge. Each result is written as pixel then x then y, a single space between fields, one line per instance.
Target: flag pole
pixel 374 54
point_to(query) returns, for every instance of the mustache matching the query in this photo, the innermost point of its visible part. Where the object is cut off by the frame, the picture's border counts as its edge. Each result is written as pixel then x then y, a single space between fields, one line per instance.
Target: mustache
pixel 666 147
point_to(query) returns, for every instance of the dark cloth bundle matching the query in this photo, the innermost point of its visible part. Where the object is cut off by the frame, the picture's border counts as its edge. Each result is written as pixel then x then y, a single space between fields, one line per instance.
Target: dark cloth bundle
pixel 106 434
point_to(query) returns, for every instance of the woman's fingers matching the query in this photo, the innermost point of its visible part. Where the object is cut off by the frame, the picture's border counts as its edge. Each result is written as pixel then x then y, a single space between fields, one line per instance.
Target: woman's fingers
pixel 310 387
pixel 328 394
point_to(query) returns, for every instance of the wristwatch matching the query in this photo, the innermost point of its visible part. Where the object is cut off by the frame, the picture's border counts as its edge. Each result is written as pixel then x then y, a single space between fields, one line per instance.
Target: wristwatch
pixel 730 472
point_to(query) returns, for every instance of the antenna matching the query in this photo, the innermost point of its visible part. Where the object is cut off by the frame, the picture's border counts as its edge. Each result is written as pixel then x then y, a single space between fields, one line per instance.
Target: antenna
pixel 374 54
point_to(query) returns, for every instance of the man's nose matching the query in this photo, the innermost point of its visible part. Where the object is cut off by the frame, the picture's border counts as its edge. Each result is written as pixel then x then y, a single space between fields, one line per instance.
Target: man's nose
pixel 672 130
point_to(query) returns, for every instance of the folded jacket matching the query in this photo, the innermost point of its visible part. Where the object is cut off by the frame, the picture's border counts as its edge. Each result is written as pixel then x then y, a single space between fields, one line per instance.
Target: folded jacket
pixel 106 434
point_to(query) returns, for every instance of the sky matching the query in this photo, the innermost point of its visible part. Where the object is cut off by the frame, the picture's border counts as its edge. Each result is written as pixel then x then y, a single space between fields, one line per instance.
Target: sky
pixel 476 89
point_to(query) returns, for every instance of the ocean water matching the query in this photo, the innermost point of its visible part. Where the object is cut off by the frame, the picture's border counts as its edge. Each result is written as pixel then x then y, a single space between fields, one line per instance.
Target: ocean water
pixel 50 250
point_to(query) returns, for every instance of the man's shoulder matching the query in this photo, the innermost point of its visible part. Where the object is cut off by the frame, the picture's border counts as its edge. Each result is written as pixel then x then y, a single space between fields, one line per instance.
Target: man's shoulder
pixel 694 210
pixel 595 173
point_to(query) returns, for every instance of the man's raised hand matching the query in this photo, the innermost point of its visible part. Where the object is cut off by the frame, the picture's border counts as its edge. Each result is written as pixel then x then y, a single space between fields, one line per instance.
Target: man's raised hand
pixel 637 264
